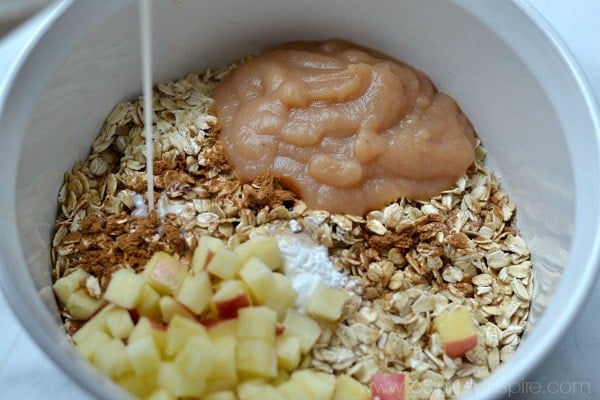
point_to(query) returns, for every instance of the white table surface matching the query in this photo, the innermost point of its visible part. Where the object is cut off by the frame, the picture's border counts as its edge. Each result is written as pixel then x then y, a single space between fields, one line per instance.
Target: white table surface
pixel 572 371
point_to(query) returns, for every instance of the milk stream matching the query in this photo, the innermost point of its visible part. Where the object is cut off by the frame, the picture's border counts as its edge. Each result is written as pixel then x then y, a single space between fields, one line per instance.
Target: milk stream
pixel 145 14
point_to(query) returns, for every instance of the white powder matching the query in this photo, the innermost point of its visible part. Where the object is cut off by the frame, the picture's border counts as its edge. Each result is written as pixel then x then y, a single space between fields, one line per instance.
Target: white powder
pixel 306 264
pixel 164 206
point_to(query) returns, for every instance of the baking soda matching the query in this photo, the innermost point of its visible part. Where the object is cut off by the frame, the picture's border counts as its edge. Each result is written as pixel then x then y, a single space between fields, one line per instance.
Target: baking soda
pixel 306 264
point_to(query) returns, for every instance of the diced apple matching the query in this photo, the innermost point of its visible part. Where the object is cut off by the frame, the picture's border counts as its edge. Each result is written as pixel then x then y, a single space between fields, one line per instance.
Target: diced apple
pixel 169 307
pixel 204 252
pixel 257 323
pixel 229 298
pixel 294 390
pixel 282 295
pixel 457 331
pixel 177 383
pixel 259 279
pixel 132 383
pixel 282 376
pixel 221 395
pixel 390 386
pixel 348 388
pixel 68 284
pixel 82 306
pixel 256 359
pixel 164 273
pixel 110 358
pixel 119 323
pixel 143 355
pixel 148 304
pixel 224 264
pixel 257 389
pixel 125 288
pixel 161 394
pixel 89 343
pixel 320 384
pixel 96 323
pixel 224 374
pixel 303 327
pixel 146 327
pixel 198 358
pixel 327 303
pixel 179 331
pixel 265 248
pixel 220 328
pixel 288 352
pixel 195 292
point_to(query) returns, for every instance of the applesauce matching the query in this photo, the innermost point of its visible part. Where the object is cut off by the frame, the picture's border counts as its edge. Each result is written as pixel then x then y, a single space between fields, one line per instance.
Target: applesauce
pixel 346 128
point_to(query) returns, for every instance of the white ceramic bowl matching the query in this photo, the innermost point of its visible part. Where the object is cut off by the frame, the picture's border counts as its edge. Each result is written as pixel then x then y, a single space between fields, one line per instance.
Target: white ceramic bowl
pixel 504 65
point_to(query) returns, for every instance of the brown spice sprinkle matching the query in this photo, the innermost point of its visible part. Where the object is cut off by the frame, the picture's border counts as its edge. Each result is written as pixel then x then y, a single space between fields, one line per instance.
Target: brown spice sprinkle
pixel 410 260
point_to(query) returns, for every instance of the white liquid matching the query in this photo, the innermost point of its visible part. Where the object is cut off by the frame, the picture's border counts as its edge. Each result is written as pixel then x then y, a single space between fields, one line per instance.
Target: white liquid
pixel 145 13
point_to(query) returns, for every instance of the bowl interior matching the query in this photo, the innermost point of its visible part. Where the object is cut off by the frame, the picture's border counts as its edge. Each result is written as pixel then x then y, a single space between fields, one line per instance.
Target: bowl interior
pixel 509 76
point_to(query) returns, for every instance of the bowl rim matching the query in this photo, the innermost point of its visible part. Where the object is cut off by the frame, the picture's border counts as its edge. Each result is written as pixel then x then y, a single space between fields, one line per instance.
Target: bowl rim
pixel 493 384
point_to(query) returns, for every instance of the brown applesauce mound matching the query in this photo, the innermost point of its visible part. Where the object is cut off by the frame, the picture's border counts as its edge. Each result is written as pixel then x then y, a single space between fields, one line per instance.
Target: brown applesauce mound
pixel 411 260
pixel 349 129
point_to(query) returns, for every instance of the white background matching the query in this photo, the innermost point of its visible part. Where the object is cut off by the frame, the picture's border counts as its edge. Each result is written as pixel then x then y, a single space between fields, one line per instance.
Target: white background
pixel 572 371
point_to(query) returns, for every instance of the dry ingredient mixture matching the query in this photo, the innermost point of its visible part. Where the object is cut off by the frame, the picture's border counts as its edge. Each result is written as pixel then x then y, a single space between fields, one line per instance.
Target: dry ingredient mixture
pixel 409 260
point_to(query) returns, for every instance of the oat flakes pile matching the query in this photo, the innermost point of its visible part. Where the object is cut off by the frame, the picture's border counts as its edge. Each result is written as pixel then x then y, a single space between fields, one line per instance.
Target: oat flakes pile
pixel 412 260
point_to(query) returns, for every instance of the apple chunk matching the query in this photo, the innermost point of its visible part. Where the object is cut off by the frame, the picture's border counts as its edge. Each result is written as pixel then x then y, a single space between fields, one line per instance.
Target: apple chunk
pixel 265 248
pixel 229 298
pixel 348 388
pixel 259 279
pixel 257 323
pixel 303 327
pixel 164 273
pixel 125 288
pixel 327 303
pixel 457 331
pixel 204 252
pixel 195 292
pixel 390 386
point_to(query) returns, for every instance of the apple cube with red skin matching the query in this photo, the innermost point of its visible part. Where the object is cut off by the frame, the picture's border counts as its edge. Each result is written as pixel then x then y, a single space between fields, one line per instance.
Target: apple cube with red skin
pixel 204 252
pixel 230 296
pixel 393 386
pixel 164 273
pixel 348 388
pixel 265 248
pixel 457 331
